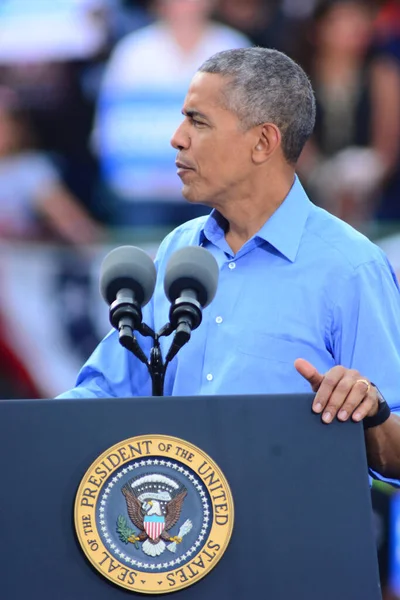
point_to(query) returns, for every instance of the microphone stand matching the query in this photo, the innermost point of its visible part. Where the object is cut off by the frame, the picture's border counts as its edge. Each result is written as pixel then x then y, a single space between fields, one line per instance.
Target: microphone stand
pixel 185 315
pixel 154 364
pixel 157 368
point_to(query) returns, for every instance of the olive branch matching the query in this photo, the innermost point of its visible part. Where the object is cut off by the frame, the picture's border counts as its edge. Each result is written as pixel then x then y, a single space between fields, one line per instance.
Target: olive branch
pixel 124 531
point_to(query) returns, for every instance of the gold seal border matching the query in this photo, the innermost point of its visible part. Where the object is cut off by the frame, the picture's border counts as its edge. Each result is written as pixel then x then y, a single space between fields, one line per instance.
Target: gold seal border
pixel 217 539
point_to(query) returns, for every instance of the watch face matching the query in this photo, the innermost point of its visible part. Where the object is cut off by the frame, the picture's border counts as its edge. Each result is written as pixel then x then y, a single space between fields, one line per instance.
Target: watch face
pixel 381 399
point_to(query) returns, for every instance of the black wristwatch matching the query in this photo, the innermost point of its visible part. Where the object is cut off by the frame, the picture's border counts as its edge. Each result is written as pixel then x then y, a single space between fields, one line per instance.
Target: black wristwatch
pixel 383 412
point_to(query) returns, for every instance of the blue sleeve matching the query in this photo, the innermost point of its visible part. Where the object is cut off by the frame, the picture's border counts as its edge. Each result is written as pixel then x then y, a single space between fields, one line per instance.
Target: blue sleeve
pixel 112 371
pixel 365 329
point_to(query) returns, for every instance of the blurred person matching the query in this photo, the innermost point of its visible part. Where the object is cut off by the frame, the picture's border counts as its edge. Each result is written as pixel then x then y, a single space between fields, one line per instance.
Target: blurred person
pixel 343 165
pixel 34 203
pixel 117 18
pixel 48 56
pixel 262 22
pixel 386 107
pixel 43 47
pixel 126 16
pixel 139 103
pixel 60 114
pixel 298 10
pixel 267 23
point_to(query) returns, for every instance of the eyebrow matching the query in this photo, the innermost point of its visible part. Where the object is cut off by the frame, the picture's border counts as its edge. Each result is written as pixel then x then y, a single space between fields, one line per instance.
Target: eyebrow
pixel 193 114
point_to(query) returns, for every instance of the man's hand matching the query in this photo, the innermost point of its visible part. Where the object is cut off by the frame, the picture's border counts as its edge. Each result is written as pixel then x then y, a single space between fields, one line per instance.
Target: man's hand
pixel 340 392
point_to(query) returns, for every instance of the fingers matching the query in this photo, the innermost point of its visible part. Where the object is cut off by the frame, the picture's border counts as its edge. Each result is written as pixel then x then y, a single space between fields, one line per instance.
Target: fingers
pixel 343 394
pixel 333 391
pixel 368 405
pixel 350 397
pixel 309 372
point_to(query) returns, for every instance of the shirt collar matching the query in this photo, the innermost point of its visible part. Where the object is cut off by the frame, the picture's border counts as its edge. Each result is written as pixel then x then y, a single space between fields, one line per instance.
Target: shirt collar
pixel 283 230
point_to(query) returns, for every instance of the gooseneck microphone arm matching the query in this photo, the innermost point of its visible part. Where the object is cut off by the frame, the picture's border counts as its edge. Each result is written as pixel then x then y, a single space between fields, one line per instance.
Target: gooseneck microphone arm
pixel 155 364
pixel 185 315
pixel 126 317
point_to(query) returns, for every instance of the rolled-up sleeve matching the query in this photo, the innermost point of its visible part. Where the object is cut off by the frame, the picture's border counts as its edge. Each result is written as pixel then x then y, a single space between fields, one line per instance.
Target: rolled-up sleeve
pixel 365 329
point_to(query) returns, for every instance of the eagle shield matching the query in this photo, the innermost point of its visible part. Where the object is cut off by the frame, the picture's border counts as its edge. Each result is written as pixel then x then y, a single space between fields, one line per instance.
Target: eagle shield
pixel 154 526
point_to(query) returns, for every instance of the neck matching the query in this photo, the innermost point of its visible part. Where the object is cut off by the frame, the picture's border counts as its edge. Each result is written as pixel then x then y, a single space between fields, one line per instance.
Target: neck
pixel 247 214
pixel 187 36
pixel 332 66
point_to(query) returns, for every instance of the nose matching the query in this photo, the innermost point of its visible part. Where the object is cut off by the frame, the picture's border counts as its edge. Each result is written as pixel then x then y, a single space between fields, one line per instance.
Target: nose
pixel 180 140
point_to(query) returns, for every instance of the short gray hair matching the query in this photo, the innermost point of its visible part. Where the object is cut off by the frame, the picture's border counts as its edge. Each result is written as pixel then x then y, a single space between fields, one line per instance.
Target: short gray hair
pixel 266 86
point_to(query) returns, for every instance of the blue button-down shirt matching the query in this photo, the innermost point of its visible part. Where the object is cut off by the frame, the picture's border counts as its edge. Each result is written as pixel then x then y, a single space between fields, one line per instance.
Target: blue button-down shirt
pixel 306 285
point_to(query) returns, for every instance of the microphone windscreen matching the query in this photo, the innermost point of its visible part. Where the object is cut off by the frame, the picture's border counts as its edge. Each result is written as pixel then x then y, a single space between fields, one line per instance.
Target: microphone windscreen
pixel 192 268
pixel 127 267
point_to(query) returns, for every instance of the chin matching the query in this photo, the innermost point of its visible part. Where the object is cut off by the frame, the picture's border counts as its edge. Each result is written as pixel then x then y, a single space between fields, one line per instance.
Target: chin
pixel 191 196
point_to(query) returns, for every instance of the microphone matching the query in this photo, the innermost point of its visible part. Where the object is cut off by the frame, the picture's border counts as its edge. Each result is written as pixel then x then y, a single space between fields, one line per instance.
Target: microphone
pixel 190 283
pixel 127 282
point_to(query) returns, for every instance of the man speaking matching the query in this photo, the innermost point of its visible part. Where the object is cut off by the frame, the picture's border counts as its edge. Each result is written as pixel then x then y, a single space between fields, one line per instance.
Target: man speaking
pixel 302 297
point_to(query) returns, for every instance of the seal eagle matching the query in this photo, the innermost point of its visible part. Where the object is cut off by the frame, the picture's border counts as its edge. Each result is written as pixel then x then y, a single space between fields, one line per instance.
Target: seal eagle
pixel 154 512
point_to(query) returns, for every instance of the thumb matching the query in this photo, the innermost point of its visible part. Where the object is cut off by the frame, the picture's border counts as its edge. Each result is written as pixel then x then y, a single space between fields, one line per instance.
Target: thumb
pixel 309 372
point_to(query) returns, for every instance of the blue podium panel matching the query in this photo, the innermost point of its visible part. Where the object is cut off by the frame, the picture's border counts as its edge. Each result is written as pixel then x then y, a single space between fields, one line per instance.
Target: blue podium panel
pixel 303 520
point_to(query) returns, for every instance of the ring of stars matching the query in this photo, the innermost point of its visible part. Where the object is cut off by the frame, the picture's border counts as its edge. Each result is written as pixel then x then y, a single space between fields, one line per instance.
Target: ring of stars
pixel 140 564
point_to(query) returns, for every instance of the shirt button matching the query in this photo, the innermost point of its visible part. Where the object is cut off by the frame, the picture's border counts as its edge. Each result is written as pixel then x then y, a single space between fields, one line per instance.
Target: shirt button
pixel 232 265
pixel 210 377
pixel 218 320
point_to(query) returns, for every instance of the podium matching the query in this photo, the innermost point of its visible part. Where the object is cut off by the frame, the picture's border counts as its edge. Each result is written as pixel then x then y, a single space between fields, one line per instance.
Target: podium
pixel 303 520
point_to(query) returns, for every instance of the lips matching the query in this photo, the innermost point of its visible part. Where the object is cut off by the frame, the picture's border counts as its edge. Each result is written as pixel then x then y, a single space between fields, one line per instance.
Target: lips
pixel 183 169
pixel 182 166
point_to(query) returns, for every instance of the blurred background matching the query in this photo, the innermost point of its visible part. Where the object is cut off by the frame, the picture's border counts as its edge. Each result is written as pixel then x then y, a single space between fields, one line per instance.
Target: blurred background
pixel 90 94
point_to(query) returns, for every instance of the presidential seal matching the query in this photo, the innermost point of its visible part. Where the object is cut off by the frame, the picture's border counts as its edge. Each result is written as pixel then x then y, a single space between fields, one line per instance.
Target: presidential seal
pixel 154 514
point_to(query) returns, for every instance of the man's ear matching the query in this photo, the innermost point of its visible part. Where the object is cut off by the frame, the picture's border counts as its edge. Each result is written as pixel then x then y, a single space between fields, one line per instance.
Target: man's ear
pixel 269 140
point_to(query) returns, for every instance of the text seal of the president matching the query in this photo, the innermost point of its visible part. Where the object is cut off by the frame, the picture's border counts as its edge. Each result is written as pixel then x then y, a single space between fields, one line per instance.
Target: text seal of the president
pixel 154 514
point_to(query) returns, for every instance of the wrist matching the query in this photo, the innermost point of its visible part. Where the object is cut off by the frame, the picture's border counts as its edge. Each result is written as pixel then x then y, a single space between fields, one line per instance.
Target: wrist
pixel 381 414
pixel 375 409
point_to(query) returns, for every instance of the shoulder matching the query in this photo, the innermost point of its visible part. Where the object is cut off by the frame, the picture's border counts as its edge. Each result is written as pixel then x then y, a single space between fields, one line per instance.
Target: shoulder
pixel 137 40
pixel 337 243
pixel 35 166
pixel 228 37
pixel 351 274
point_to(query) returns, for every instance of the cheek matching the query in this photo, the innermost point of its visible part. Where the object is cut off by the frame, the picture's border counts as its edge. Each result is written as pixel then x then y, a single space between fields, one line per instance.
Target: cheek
pixel 234 164
pixel 215 170
pixel 210 161
pixel 220 162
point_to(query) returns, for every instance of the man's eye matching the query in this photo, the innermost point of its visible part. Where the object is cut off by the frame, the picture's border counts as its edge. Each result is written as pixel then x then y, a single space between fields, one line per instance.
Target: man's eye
pixel 197 123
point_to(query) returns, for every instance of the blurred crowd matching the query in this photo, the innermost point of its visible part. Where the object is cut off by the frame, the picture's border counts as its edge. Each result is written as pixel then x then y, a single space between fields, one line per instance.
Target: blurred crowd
pixel 91 92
